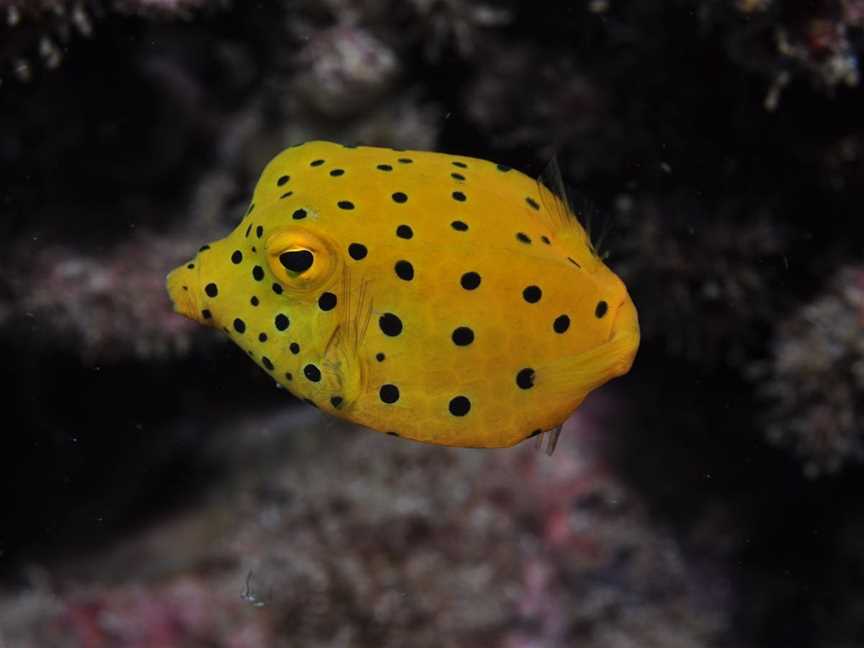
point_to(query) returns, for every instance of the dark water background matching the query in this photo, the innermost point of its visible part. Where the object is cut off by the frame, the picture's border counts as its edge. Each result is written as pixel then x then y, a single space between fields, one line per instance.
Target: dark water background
pixel 147 468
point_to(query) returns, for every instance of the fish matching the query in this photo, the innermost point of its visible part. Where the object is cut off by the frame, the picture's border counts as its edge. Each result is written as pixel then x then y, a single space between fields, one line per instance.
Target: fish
pixel 436 297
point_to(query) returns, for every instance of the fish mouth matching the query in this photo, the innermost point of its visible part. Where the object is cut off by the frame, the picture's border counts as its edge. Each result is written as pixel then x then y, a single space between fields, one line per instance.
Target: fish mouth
pixel 181 284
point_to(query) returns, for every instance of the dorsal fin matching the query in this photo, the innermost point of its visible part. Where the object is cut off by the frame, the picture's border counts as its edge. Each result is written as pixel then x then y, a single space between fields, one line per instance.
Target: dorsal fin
pixel 556 204
pixel 567 210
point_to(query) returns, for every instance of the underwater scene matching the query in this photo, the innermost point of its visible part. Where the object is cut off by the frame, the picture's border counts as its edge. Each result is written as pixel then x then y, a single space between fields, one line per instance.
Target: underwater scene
pixel 432 323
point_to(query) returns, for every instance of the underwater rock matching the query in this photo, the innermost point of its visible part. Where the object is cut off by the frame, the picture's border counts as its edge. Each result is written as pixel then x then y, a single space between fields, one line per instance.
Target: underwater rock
pixel 716 273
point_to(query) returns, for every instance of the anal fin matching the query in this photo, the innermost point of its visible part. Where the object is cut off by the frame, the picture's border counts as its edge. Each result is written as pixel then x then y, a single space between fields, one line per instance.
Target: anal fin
pixel 551 440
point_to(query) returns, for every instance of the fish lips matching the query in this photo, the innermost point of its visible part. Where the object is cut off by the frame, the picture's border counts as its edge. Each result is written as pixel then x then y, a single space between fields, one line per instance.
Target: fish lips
pixel 182 285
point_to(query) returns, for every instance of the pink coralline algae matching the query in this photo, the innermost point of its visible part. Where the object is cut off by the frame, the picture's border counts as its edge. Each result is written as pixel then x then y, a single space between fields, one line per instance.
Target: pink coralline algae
pixel 411 546
pixel 173 614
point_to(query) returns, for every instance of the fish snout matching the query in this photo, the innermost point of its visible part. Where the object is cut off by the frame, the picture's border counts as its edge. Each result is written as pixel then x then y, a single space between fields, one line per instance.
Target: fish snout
pixel 182 284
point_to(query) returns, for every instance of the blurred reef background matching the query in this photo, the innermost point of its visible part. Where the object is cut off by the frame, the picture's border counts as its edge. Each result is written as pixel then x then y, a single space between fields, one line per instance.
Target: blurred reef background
pixel 157 491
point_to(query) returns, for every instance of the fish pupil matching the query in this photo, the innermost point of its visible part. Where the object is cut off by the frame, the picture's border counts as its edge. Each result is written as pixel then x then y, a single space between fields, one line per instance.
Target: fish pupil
pixel 297 260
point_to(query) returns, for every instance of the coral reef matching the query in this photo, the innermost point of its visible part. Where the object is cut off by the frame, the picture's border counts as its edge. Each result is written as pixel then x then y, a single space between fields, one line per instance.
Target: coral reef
pixel 821 43
pixel 408 546
pixel 147 470
pixel 814 379
pixel 91 303
pixel 36 34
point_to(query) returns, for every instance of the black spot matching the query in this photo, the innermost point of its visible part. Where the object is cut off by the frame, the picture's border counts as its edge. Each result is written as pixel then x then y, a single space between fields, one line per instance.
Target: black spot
pixel 295 348
pixel 277 288
pixel 460 406
pixel 470 280
pixel 357 251
pixel 312 372
pixel 262 337
pixel 254 300
pixel 288 376
pixel 327 301
pixel 532 202
pixel 532 294
pixel 286 195
pixel 315 163
pixel 534 433
pixel 458 195
pixel 390 324
pixel 601 309
pixel 457 176
pixel 239 325
pixel 561 324
pixel 379 357
pixel 281 322
pixel 463 336
pixel 545 239
pixel 461 165
pixel 282 180
pixel 345 204
pixel 523 238
pixel 206 314
pixel 190 266
pixel 299 214
pixel 337 172
pixel 297 260
pixel 248 229
pixel 459 226
pixel 389 394
pixel 399 197
pixel 267 364
pixel 404 231
pixel 384 167
pixel 525 378
pixel 237 257
pixel 393 434
pixel 404 270
pixel 185 287
pixel 259 231
pixel 336 401
pixel 204 248
pixel 502 167
pixel 573 261
pixel 211 289
pixel 405 160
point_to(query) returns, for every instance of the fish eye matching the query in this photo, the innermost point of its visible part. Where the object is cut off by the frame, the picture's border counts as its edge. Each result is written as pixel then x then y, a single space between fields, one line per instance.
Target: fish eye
pixel 297 260
pixel 301 260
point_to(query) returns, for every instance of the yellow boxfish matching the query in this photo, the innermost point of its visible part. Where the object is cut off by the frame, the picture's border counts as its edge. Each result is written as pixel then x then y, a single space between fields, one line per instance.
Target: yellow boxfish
pixel 438 297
